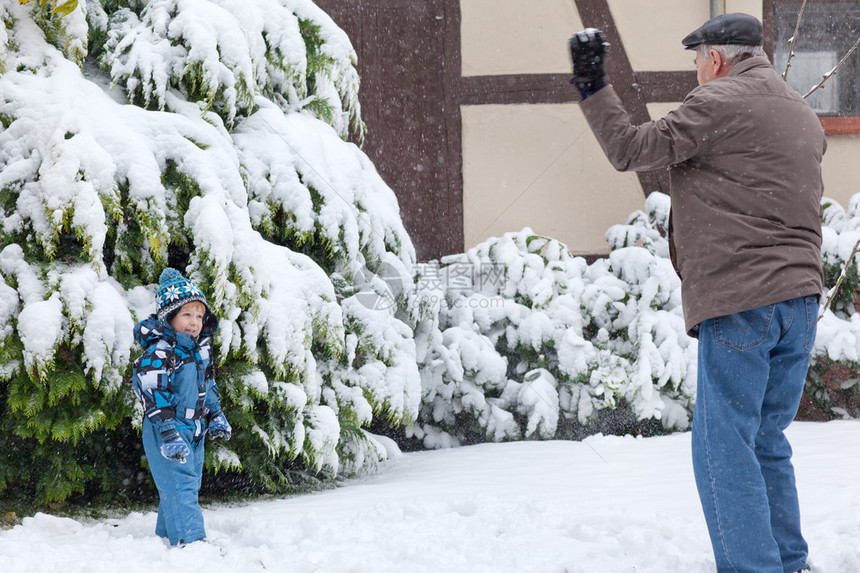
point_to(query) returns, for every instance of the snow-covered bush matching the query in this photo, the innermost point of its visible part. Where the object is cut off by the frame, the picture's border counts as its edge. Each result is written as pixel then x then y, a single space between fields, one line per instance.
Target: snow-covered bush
pixel 231 164
pixel 531 342
pixel 832 388
pixel 535 343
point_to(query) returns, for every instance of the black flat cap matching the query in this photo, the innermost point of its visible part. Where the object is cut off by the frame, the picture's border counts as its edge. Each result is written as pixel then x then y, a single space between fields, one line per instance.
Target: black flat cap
pixel 740 29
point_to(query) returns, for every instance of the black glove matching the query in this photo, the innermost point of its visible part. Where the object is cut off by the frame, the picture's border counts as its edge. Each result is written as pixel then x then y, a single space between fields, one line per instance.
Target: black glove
pixel 588 50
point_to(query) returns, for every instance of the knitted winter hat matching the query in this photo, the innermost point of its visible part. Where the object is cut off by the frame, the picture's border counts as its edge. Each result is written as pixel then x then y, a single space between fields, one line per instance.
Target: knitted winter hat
pixel 173 292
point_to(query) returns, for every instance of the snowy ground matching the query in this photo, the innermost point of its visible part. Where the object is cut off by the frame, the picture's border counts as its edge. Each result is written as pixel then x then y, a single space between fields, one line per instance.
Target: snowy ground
pixel 609 504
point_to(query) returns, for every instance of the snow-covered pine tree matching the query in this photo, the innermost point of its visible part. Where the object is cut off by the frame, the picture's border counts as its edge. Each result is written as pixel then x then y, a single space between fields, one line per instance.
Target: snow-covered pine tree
pixel 208 135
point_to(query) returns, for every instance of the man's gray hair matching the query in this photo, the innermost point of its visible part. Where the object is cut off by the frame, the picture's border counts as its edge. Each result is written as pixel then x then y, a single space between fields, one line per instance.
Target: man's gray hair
pixel 731 53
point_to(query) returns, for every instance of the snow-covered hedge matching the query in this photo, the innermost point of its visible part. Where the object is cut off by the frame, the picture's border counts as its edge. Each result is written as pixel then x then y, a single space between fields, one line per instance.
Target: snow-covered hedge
pixel 535 343
pixel 531 342
pixel 832 388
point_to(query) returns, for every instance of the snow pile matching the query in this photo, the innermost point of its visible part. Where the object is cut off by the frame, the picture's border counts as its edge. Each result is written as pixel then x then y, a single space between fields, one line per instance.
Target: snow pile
pixel 609 504
pixel 532 342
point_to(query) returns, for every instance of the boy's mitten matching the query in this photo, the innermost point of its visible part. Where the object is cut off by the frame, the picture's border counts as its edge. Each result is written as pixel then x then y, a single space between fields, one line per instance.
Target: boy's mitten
pixel 174 447
pixel 219 427
pixel 588 51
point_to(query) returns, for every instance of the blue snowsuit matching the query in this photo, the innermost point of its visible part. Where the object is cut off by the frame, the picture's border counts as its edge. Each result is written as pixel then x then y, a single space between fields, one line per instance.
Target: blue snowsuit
pixel 174 380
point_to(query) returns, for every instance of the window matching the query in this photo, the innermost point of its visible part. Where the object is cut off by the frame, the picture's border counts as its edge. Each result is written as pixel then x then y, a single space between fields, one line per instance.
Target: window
pixel 828 30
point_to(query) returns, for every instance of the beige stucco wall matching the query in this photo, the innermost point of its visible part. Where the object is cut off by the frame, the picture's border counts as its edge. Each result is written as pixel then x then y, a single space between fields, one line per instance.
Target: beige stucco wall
pixel 658 110
pixel 501 37
pixel 841 168
pixel 753 7
pixel 654 42
pixel 652 31
pixel 539 166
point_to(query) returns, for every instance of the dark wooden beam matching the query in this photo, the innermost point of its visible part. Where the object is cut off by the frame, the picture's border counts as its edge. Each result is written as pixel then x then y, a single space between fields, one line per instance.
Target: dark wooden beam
pixel 513 89
pixel 410 62
pixel 452 69
pixel 556 88
pixel 406 53
pixel 665 86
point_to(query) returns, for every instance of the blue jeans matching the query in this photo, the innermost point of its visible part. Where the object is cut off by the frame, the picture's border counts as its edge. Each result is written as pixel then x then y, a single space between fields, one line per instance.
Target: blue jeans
pixel 752 367
pixel 180 518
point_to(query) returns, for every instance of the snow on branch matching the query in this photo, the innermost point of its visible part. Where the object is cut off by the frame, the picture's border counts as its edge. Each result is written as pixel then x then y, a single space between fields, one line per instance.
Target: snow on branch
pixel 793 39
pixel 833 71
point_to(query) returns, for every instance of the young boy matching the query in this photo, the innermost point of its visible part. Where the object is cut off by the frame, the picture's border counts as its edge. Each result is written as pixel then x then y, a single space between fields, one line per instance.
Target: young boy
pixel 174 381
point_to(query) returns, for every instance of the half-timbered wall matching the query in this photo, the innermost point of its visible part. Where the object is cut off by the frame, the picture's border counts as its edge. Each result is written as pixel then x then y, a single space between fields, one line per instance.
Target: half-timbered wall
pixel 472 120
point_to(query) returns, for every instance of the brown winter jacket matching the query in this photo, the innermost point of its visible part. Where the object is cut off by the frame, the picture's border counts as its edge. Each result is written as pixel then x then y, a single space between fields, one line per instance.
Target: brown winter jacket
pixel 744 157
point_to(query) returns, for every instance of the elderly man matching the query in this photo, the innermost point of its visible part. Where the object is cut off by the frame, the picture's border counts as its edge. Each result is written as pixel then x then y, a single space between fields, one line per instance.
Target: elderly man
pixel 744 157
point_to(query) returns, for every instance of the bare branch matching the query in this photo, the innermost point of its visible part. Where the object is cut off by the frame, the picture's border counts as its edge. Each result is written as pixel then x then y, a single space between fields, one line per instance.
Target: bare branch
pixel 832 72
pixel 835 289
pixel 793 39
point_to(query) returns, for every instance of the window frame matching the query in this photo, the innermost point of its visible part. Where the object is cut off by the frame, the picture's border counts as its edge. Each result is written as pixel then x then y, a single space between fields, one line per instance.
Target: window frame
pixel 833 125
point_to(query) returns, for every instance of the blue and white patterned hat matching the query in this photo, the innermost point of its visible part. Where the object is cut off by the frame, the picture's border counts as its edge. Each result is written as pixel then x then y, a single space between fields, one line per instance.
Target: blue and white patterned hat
pixel 174 291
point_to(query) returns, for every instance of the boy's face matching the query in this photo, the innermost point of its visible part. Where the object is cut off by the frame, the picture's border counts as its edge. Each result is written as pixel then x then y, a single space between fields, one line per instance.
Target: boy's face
pixel 189 319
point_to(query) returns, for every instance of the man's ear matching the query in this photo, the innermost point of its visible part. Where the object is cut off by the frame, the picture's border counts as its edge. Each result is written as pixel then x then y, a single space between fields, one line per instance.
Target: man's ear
pixel 717 61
